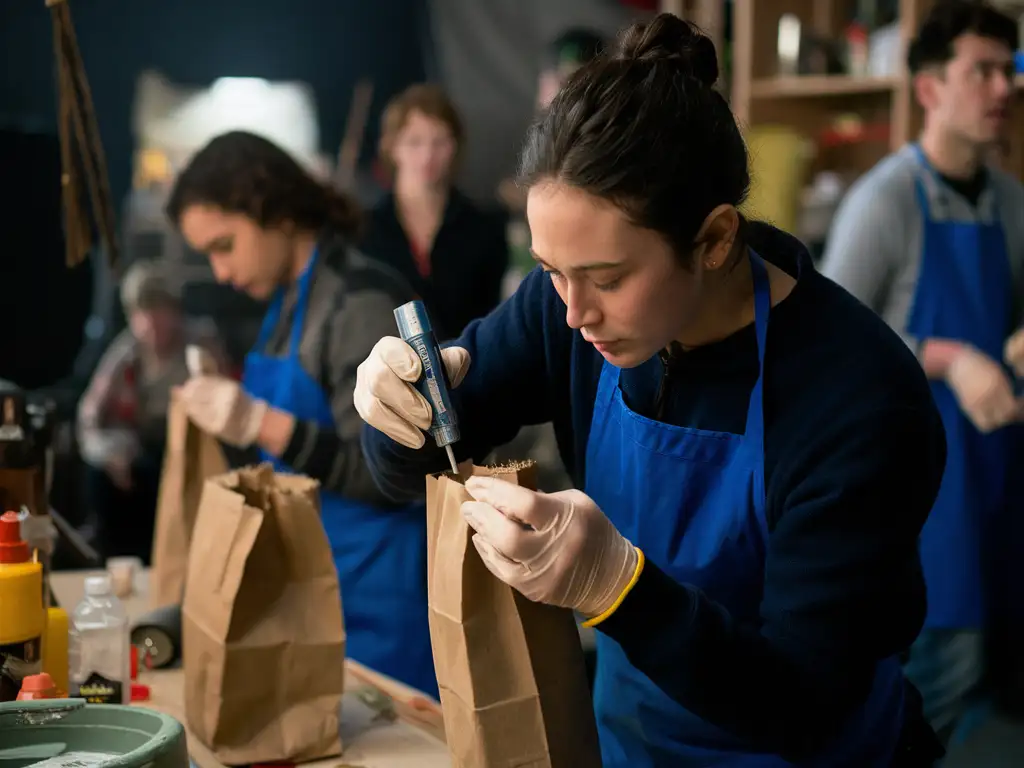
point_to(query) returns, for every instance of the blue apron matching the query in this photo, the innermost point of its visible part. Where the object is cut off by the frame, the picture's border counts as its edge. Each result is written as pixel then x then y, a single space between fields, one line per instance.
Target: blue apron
pixel 964 293
pixel 380 554
pixel 694 502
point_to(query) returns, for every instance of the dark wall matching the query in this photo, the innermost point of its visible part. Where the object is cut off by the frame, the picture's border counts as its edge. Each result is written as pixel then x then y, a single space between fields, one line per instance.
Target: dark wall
pixel 328 44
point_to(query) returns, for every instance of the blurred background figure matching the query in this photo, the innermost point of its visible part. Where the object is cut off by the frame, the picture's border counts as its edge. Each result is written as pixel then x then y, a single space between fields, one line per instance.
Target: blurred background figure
pixel 563 56
pixel 453 254
pixel 566 53
pixel 122 417
pixel 271 230
pixel 932 239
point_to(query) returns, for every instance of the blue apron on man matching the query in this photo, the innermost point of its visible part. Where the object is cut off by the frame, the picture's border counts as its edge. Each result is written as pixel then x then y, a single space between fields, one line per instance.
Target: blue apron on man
pixel 380 553
pixel 707 528
pixel 965 293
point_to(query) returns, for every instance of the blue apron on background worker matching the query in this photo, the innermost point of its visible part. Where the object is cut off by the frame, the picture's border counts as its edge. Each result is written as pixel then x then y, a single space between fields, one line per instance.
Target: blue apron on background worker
pixel 933 240
pixel 328 304
pixel 757 450
pixel 965 292
pixel 382 589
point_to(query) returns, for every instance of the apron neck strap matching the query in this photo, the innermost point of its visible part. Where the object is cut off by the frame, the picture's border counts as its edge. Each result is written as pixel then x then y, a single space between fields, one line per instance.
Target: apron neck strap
pixel 762 303
pixel 991 210
pixel 302 301
pixel 919 186
pixel 762 310
pixel 273 315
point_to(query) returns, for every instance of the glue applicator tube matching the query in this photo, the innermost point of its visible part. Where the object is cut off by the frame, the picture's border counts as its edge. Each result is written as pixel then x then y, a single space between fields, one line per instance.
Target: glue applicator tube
pixel 415 329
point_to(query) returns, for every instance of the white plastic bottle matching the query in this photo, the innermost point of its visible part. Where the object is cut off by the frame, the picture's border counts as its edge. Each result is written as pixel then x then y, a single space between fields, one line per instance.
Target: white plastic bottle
pixel 100 652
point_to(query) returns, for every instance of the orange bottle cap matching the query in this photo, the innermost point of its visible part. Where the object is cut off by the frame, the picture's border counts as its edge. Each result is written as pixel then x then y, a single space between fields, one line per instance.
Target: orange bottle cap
pixel 39 686
pixel 12 548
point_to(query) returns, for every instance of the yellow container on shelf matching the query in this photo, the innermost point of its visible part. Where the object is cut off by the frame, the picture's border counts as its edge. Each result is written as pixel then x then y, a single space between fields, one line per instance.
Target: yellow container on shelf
pixel 22 615
pixel 779 159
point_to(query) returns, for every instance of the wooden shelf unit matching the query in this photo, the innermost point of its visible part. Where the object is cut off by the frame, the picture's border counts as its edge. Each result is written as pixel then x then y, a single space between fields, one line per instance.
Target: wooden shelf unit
pixel 810 103
pixel 819 85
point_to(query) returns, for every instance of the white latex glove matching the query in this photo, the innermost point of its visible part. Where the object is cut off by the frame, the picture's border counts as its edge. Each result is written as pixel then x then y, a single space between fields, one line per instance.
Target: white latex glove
pixel 983 390
pixel 567 553
pixel 1013 352
pixel 219 407
pixel 385 396
pixel 200 361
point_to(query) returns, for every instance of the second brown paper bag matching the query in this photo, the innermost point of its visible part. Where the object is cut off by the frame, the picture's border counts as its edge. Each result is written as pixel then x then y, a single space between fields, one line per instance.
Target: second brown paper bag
pixel 262 632
pixel 510 671
pixel 190 457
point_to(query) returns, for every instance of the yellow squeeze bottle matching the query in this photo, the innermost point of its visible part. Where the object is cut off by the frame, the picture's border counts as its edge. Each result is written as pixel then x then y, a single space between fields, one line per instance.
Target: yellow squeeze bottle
pixel 55 648
pixel 22 615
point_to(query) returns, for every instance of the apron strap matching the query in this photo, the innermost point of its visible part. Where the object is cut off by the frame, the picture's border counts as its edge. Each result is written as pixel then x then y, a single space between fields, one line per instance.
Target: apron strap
pixel 273 314
pixel 986 215
pixel 302 302
pixel 919 188
pixel 754 430
pixel 270 319
pixel 753 434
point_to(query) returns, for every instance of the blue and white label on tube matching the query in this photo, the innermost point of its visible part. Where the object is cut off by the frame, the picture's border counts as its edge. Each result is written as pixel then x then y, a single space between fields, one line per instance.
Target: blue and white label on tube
pixel 415 330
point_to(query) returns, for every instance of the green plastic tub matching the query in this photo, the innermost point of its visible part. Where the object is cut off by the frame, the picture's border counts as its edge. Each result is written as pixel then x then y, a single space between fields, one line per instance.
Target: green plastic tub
pixel 68 733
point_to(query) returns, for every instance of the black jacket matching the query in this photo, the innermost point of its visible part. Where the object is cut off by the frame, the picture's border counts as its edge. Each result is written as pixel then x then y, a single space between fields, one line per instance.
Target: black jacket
pixel 467 261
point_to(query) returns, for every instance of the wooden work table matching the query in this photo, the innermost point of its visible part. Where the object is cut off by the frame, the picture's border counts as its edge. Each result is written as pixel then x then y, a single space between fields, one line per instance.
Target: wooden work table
pixel 401 729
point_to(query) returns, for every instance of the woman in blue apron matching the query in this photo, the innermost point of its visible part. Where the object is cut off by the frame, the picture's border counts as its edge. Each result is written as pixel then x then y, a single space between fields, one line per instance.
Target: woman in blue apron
pixel 272 231
pixel 757 451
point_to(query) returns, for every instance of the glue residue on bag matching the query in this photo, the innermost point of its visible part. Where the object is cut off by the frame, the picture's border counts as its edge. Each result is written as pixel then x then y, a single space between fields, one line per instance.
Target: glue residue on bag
pixel 467 469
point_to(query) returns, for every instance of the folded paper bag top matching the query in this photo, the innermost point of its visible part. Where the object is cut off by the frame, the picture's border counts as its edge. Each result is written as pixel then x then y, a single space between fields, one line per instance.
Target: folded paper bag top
pixel 263 637
pixel 510 671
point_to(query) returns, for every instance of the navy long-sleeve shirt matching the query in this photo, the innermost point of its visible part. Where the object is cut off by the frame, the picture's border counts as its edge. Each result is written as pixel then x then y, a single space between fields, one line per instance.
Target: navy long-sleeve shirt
pixel 854 454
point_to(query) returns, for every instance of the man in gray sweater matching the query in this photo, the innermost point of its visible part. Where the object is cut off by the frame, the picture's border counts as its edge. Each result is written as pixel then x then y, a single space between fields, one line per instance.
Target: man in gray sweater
pixel 933 240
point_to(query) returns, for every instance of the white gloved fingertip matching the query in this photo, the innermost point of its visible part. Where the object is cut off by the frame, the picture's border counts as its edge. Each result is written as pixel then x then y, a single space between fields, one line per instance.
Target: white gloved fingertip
pixel 400 358
pixel 456 364
pixel 199 361
pixel 478 484
pixel 496 562
pixel 253 423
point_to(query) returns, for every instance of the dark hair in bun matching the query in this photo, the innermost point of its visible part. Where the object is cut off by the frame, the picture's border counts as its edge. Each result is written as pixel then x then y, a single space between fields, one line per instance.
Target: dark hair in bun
pixel 644 128
pixel 676 42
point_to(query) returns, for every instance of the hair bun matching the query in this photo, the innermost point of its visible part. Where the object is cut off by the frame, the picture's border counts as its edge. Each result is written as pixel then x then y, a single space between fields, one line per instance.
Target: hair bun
pixel 669 38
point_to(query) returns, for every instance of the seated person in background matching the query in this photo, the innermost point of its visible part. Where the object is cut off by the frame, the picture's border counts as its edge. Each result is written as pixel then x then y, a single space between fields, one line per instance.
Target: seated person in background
pixel 453 254
pixel 122 417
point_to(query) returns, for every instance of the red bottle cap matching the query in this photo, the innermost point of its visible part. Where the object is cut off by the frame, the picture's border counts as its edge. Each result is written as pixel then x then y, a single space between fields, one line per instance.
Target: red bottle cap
pixel 140 692
pixel 37 687
pixel 12 548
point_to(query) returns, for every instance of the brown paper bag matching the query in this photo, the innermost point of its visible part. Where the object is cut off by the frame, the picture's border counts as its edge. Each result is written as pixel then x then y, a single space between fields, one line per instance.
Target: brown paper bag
pixel 190 457
pixel 262 634
pixel 511 674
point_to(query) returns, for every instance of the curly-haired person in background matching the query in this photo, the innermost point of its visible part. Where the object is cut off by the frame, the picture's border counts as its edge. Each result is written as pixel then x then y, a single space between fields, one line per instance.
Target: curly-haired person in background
pixel 272 230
